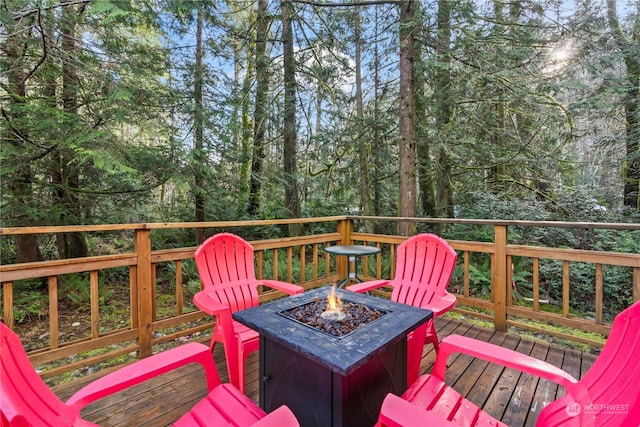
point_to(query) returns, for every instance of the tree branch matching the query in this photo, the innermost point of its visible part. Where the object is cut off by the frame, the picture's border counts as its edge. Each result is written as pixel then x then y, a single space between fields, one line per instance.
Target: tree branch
pixel 18 16
pixel 23 138
pixel 43 57
pixel 350 4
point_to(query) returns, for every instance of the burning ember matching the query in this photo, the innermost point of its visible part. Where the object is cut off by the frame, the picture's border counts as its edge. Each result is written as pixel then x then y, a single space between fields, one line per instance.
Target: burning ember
pixel 321 314
pixel 334 307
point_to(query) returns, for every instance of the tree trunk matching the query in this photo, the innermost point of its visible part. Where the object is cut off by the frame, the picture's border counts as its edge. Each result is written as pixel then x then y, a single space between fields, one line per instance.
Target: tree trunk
pixel 66 176
pixel 407 190
pixel 246 125
pixel 426 193
pixel 444 111
pixel 262 88
pixel 363 147
pixel 377 143
pixel 496 173
pixel 291 195
pixel 629 46
pixel 19 175
pixel 632 166
pixel 198 137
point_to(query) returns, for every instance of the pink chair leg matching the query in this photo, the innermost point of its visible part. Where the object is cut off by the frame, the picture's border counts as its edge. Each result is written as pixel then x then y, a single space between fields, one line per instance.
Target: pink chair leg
pixel 431 337
pixel 414 353
pixel 232 355
pixel 242 361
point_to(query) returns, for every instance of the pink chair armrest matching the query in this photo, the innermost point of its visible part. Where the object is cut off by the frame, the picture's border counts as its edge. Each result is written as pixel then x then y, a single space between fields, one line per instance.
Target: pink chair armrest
pixel 442 305
pixel 280 417
pixel 145 369
pixel 368 286
pixel 397 412
pixel 210 305
pixel 285 287
pixel 505 357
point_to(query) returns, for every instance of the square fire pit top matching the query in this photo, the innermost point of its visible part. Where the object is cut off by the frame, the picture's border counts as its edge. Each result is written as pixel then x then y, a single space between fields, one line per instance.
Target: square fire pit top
pixel 339 323
pixel 340 354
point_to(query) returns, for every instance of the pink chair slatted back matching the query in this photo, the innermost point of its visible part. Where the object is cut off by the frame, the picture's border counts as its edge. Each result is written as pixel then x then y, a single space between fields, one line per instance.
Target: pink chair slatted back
pixel 424 265
pixel 613 382
pixel 226 266
pixel 614 378
pixel 25 400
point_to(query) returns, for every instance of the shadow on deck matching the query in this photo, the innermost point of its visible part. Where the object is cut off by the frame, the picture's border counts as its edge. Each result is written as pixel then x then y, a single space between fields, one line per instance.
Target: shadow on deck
pixel 514 398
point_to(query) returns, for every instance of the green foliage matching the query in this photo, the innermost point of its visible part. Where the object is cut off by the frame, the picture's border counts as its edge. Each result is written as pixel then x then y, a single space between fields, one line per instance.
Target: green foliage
pixel 173 238
pixel 111 243
pixel 571 205
pixel 386 262
pixel 191 288
pixel 131 140
pixel 617 290
pixel 480 280
pixel 190 279
pixel 76 288
pixel 268 266
pixel 29 306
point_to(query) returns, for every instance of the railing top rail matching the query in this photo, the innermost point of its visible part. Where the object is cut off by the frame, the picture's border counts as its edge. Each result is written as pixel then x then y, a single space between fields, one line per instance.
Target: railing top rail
pixel 7 231
pixel 493 222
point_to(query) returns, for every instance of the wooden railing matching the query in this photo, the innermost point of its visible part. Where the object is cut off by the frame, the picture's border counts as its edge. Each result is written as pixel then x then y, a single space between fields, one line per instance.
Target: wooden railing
pixel 502 308
pixel 155 274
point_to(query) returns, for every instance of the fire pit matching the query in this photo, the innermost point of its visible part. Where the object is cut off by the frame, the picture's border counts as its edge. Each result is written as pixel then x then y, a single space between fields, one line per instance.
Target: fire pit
pixel 333 316
pixel 332 378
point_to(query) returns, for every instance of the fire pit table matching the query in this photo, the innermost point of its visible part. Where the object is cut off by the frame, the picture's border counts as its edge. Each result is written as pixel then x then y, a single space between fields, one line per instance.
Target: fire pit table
pixel 325 379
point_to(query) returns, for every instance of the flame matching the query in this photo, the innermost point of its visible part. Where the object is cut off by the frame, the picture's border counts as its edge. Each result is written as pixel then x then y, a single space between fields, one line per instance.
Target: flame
pixel 334 307
pixel 334 303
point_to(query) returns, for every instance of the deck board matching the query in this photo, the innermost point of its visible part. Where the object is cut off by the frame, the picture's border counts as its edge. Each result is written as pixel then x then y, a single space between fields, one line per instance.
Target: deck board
pixel 516 410
pixel 506 394
pixel 546 390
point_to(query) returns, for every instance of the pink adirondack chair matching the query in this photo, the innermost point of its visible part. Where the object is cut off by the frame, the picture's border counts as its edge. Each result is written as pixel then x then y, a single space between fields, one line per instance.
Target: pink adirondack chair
pixel 25 400
pixel 226 267
pixel 424 265
pixel 607 395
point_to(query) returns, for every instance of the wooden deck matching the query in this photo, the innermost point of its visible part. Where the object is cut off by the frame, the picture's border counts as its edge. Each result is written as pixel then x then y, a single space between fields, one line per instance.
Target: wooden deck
pixel 506 394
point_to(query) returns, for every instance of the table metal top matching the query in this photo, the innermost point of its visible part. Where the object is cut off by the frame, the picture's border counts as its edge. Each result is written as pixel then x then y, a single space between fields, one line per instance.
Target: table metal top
pixel 352 250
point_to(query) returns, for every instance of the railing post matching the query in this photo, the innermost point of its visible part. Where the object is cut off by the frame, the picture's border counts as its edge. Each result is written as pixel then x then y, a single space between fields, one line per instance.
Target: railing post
pixel 345 228
pixel 144 287
pixel 7 301
pixel 636 284
pixel 499 279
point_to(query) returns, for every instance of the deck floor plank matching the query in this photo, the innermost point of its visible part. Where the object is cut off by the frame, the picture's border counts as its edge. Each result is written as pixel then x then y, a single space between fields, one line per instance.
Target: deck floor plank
pixel 501 394
pixel 458 363
pixel 570 364
pixel 546 390
pixel 474 370
pixel 445 327
pixel 504 393
pixel 516 411
pixel 491 373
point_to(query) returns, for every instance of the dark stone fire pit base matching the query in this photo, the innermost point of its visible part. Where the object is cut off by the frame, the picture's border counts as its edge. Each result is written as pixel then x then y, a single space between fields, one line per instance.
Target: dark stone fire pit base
pixel 324 398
